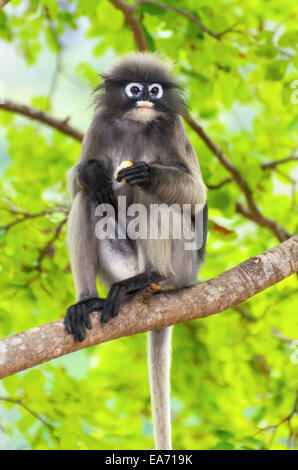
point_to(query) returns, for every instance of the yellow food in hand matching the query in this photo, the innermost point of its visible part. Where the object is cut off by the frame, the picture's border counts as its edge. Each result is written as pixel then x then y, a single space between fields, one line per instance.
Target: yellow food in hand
pixel 122 165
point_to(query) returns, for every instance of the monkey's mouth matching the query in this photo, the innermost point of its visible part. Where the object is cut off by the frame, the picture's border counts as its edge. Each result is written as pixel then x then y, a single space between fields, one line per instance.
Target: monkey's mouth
pixel 144 105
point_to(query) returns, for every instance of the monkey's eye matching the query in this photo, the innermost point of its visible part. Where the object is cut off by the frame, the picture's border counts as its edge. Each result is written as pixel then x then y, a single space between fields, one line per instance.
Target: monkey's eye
pixel 134 90
pixel 155 91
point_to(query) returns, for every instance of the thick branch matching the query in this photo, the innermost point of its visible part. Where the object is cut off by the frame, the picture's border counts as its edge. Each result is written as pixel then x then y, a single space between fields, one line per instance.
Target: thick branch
pixel 41 116
pixel 133 23
pixel 144 313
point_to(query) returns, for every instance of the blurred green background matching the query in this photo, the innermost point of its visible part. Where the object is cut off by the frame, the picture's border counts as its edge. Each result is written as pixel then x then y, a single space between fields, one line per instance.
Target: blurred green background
pixel 234 375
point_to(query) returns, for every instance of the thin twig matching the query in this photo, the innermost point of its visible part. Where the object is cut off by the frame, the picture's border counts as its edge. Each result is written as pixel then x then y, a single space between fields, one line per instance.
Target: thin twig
pixel 26 216
pixel 185 13
pixel 18 401
pixel 275 163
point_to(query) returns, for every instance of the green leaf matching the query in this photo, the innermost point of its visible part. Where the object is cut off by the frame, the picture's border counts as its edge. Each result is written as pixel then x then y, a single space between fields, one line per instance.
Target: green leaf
pixel 152 10
pixel 86 71
pixel 269 52
pixel 40 102
pixel 51 7
pixel 289 39
pixel 224 445
pixel 149 39
pixel 276 70
pixel 293 126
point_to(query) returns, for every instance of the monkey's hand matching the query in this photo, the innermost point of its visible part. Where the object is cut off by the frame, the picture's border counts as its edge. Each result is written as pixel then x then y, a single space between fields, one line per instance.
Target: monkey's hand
pixel 77 317
pixel 138 173
pixel 95 179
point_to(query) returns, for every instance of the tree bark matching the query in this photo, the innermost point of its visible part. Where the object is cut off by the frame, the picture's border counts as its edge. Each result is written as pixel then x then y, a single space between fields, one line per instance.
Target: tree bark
pixel 146 312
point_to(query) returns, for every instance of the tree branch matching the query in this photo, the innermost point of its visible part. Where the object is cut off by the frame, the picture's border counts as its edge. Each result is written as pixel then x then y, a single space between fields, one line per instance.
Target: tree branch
pixel 128 11
pixel 185 13
pixel 146 312
pixel 280 232
pixel 3 3
pixel 275 163
pixel 41 116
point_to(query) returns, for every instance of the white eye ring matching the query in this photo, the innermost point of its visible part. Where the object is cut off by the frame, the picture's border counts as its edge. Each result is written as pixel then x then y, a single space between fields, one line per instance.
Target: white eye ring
pixel 129 87
pixel 155 96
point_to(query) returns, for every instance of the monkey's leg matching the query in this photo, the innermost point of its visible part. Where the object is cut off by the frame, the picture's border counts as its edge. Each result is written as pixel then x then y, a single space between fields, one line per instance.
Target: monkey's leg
pixel 83 255
pixel 119 289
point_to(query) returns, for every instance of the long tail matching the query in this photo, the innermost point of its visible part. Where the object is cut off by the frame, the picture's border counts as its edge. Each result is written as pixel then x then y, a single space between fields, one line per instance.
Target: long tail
pixel 159 361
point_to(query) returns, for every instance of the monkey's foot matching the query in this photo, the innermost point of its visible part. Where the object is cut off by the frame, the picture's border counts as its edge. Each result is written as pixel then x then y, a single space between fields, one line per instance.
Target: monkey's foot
pixel 118 291
pixel 77 317
pixel 138 173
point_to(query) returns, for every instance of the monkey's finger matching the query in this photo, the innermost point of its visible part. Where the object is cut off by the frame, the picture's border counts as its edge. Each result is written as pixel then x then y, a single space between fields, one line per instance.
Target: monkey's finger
pixel 105 197
pixel 67 324
pixel 117 302
pixel 68 320
pixel 126 172
pixel 86 318
pixel 139 181
pixel 140 174
pixel 79 333
pixel 108 305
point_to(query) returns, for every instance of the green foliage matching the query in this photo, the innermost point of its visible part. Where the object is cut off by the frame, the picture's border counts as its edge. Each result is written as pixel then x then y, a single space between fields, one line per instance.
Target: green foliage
pixel 234 378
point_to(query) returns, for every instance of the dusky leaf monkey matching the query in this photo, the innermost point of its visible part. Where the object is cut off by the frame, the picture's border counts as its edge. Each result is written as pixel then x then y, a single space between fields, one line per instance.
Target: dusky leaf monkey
pixel 137 119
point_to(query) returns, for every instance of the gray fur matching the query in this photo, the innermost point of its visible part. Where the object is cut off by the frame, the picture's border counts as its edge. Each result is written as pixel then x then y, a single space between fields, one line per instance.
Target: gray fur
pixel 162 143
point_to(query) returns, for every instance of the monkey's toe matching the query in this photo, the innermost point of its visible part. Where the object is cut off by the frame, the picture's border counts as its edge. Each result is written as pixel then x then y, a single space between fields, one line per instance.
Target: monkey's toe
pixel 77 317
pixel 112 303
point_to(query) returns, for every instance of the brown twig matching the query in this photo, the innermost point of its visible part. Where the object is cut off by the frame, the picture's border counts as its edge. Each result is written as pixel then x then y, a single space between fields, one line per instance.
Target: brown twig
pixel 275 163
pixel 185 13
pixel 27 215
pixel 19 402
pixel 128 11
pixel 47 249
pixel 220 184
pixel 287 419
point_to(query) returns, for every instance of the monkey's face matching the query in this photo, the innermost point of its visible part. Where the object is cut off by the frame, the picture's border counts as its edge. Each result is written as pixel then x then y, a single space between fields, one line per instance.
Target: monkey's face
pixel 139 87
pixel 143 101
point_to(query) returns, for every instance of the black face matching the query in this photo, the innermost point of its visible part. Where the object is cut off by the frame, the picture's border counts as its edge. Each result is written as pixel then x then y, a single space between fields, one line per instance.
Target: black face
pixel 137 79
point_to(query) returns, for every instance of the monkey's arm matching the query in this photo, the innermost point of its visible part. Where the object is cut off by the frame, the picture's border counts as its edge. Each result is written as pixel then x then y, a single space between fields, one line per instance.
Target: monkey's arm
pixel 171 183
pixel 92 176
